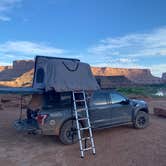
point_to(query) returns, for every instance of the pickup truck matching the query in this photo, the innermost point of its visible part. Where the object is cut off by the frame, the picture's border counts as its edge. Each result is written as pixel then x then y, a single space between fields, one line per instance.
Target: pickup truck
pixel 107 108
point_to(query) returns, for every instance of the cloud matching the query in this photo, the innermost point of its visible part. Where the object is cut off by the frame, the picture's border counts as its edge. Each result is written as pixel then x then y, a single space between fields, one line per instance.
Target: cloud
pixel 133 45
pixel 118 64
pixel 4 18
pixel 158 69
pixel 129 51
pixel 12 50
pixel 6 6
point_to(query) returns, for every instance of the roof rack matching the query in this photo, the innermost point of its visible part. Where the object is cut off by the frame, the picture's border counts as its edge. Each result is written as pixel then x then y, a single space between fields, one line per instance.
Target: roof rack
pixel 50 57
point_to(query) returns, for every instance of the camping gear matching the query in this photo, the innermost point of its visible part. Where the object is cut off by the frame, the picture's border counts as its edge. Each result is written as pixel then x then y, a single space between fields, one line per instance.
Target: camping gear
pixel 82 99
pixel 62 74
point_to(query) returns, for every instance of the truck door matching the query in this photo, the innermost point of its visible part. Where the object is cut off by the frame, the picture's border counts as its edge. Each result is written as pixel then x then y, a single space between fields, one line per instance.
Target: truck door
pixel 121 110
pixel 99 109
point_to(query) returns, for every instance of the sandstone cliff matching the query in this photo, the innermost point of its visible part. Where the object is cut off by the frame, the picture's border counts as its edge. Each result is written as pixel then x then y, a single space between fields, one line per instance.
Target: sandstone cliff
pixel 24 80
pixel 138 76
pixel 113 81
pixel 21 74
pixel 8 73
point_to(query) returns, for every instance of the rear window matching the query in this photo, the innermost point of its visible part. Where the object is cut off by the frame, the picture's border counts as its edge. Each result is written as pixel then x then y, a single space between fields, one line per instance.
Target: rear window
pixel 54 99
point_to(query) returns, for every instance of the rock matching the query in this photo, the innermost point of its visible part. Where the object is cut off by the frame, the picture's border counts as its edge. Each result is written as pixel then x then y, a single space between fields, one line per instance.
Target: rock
pixel 137 76
pixel 113 81
pixel 160 112
pixel 21 74
pixel 23 65
pixel 24 80
pixel 18 68
pixel 5 68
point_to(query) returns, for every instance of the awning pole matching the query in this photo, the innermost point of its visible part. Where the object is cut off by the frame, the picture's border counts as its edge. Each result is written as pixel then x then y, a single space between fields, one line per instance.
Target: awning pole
pixel 21 107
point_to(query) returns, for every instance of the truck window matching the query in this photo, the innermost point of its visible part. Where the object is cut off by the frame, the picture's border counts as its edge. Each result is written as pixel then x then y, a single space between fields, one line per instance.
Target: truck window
pixel 99 98
pixel 116 98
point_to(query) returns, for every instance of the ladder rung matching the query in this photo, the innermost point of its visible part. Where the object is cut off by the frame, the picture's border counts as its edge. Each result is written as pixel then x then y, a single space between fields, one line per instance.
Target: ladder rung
pixel 81 109
pixel 85 138
pixel 86 149
pixel 79 101
pixel 83 118
pixel 85 128
pixel 78 92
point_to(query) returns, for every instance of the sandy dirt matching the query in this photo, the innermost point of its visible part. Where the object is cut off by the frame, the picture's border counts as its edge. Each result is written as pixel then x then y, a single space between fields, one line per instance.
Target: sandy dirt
pixel 120 146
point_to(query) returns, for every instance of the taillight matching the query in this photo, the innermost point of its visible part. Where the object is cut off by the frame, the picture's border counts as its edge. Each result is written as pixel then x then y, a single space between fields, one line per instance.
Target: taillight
pixel 41 118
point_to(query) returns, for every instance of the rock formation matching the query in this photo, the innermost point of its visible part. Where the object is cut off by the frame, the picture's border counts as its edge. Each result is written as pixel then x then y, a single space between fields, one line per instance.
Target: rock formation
pixel 113 81
pixel 18 68
pixel 21 74
pixel 24 80
pixel 138 76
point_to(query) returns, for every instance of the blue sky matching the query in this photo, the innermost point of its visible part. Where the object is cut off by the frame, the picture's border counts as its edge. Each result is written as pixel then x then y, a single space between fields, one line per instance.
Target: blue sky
pixel 115 33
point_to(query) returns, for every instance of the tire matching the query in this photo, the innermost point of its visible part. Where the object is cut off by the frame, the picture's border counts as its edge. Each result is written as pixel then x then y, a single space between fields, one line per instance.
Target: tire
pixel 141 120
pixel 68 133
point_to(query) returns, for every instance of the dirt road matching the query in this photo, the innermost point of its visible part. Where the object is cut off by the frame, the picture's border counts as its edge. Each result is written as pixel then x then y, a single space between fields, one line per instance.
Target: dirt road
pixel 121 146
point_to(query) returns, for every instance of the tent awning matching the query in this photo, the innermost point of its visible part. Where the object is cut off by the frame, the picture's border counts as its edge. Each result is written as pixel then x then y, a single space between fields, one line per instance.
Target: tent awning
pixel 21 91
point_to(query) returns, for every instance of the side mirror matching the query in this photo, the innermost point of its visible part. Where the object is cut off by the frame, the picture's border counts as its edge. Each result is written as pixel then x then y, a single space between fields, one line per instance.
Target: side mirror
pixel 125 102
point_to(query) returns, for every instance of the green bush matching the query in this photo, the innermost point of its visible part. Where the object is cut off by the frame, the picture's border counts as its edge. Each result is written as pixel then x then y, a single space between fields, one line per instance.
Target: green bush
pixel 146 90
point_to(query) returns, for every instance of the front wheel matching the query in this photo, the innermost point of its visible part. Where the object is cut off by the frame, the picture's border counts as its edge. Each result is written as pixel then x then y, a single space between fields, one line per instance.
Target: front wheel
pixel 141 120
pixel 68 133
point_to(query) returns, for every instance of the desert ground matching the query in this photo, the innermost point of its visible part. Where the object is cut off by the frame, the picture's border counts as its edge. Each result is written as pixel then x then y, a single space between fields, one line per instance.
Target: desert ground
pixel 120 146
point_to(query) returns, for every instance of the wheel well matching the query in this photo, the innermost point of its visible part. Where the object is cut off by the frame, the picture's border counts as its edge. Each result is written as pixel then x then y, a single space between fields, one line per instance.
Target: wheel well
pixel 144 110
pixel 135 113
pixel 71 118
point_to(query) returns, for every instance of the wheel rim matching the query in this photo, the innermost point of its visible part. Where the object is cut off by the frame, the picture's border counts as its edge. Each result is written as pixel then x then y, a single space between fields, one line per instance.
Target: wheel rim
pixel 71 133
pixel 141 121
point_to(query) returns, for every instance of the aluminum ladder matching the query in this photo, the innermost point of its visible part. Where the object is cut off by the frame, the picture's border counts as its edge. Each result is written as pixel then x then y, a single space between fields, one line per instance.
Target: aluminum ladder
pixel 84 110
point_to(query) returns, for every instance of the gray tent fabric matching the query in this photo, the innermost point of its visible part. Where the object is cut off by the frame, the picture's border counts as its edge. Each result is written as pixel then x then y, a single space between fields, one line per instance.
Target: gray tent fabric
pixel 63 75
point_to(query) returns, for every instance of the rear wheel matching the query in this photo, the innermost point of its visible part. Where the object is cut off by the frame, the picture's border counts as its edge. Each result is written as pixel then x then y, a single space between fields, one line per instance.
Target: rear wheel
pixel 141 120
pixel 68 133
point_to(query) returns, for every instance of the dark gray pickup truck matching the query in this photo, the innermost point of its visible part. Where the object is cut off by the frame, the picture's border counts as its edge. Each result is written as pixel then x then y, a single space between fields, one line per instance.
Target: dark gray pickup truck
pixel 107 108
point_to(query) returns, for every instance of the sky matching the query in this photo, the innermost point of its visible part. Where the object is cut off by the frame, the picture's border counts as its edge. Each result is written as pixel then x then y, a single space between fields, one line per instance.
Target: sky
pixel 114 33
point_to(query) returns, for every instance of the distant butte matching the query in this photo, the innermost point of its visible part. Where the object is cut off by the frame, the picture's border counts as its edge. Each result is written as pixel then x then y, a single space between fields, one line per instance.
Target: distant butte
pixel 21 74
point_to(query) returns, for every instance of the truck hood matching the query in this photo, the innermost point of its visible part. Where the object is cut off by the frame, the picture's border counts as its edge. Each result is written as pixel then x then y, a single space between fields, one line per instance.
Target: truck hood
pixel 135 102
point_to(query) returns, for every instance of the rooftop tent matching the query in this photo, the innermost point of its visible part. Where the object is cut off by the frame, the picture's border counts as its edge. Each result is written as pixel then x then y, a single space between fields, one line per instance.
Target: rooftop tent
pixel 62 74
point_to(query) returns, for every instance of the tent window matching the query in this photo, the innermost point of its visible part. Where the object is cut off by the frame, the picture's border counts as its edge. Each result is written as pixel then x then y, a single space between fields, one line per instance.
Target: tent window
pixel 40 75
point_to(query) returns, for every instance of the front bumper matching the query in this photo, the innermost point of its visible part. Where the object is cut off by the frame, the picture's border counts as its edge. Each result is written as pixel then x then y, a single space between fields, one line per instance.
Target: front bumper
pixel 27 126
